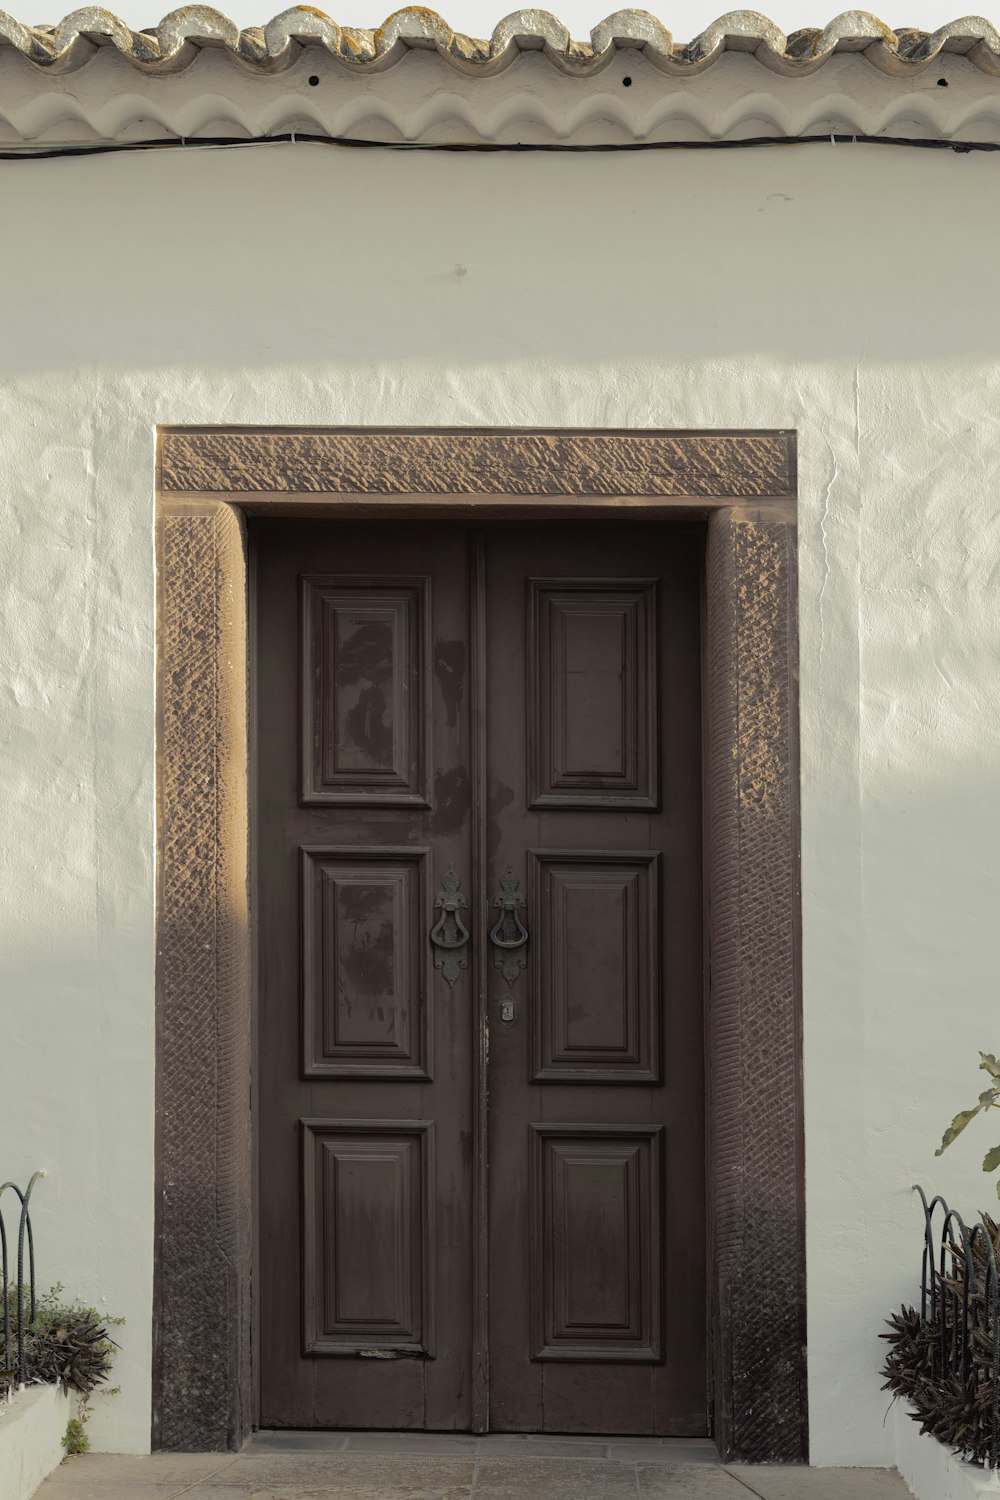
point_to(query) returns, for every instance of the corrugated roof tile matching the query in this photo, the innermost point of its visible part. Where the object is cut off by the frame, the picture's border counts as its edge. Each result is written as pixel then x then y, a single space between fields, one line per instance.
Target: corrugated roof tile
pixel 173 44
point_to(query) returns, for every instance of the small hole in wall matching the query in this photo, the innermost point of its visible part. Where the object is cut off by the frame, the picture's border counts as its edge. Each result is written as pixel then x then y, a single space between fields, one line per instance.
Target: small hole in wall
pixel 626 83
pixel 942 83
pixel 313 81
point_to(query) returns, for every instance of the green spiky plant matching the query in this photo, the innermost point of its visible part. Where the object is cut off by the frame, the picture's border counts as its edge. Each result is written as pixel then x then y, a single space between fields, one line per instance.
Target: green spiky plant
pixel 65 1343
pixel 988 1099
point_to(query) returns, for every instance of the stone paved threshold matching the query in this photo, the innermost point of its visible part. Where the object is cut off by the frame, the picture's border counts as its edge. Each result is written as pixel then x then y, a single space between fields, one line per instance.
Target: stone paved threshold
pixel 516 1445
pixel 661 1471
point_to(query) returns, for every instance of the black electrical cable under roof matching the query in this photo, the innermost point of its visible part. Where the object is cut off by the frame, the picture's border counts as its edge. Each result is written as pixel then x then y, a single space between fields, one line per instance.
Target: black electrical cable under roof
pixel 29 152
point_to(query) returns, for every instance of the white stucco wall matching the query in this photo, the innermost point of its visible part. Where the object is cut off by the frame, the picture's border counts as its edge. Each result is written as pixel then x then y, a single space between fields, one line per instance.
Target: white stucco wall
pixel 846 292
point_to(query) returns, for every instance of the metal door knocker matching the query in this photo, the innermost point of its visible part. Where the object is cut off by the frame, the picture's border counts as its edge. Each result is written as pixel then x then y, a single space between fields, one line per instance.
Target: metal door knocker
pixel 510 936
pixel 449 935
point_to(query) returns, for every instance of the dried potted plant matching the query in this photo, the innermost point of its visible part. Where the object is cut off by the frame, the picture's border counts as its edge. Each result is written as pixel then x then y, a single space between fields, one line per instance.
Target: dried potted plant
pixel 944 1359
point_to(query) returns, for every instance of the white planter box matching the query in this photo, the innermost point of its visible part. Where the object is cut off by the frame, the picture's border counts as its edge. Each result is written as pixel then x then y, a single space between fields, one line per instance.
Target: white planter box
pixel 31 1433
pixel 931 1470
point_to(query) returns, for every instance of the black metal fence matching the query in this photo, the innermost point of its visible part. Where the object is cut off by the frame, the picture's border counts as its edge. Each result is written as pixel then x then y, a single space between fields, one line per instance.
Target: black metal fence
pixel 18 1296
pixel 960 1299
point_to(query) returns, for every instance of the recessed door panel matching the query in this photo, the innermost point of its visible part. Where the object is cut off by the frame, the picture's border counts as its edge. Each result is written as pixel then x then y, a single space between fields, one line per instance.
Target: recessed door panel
pixel 595 973
pixel 593 687
pixel 595 1238
pixel 364 722
pixel 365 962
pixel 368 1242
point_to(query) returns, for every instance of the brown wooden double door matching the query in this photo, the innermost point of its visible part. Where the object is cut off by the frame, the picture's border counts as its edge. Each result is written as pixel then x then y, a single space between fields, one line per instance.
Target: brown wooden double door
pixel 479 916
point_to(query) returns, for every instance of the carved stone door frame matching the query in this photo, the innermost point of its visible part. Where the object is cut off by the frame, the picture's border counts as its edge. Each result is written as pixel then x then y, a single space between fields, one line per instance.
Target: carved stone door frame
pixel 743 484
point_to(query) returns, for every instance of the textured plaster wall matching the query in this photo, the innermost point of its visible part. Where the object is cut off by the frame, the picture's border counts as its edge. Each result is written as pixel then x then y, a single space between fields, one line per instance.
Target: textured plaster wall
pixel 845 292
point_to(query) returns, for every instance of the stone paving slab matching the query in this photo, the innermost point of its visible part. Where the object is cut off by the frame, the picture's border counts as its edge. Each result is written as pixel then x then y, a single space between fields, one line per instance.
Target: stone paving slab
pixel 374 1476
pixel 686 1451
pixel 409 1467
pixel 431 1443
pixel 560 1478
pixel 159 1468
pixel 677 1482
pixel 328 1468
pixel 787 1482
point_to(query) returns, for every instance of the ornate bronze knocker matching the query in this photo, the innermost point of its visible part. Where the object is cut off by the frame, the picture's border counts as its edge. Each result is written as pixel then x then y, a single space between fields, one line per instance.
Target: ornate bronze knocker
pixel 449 935
pixel 509 936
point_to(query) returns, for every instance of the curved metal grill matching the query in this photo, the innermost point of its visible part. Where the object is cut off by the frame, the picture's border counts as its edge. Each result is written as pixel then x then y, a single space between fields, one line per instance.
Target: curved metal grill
pixel 13 1352
pixel 961 1299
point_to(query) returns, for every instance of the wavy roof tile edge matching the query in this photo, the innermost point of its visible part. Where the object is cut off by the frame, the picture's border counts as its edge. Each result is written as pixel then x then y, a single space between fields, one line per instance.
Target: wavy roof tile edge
pixel 173 44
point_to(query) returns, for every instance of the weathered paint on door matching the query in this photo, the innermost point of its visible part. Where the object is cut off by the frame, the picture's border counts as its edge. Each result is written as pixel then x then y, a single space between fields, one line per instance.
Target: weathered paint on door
pixel 478 801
